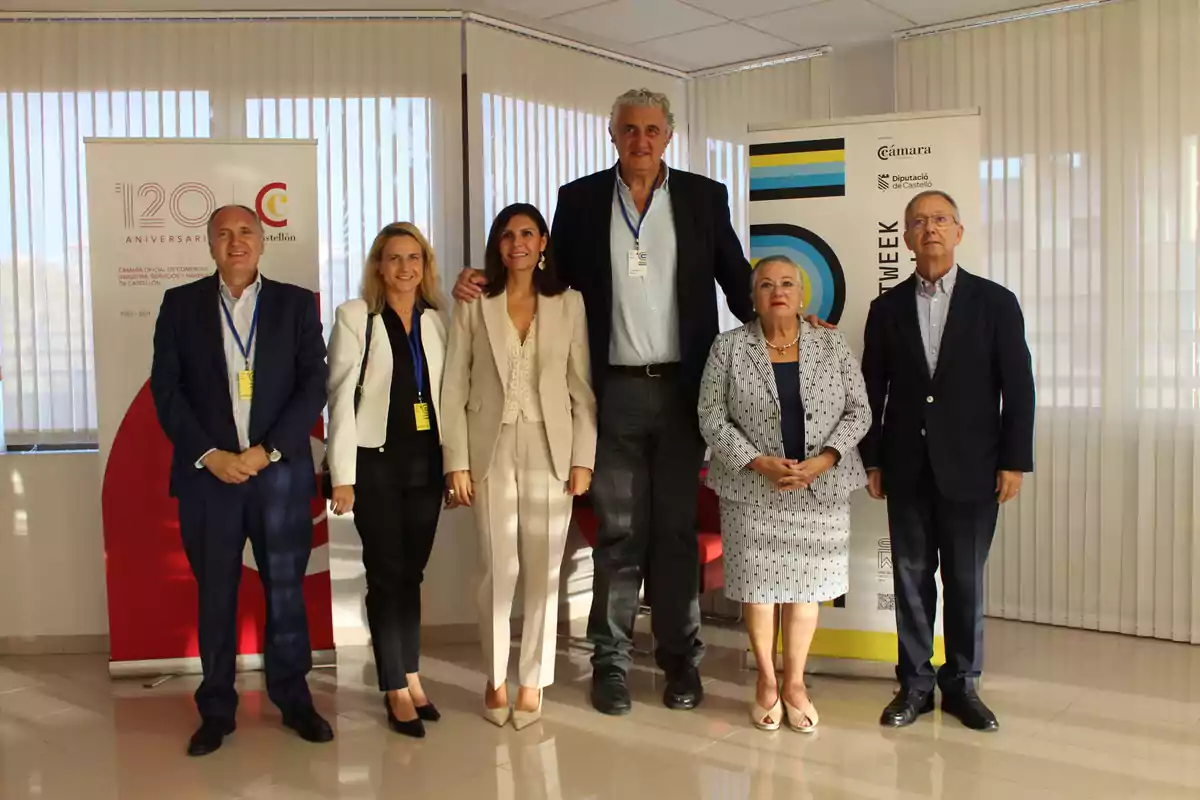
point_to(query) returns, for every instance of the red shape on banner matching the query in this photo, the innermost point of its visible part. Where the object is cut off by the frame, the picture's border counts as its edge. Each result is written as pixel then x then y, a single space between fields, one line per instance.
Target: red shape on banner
pixel 152 603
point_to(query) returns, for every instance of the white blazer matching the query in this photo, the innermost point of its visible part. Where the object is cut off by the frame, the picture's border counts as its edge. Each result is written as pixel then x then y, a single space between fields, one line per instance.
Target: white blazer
pixel 477 382
pixel 347 432
pixel 740 414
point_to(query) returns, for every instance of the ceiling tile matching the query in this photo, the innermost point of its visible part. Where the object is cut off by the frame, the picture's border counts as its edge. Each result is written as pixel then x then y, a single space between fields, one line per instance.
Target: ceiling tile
pixel 638 20
pixel 832 22
pixel 743 9
pixel 539 9
pixel 710 47
pixel 932 12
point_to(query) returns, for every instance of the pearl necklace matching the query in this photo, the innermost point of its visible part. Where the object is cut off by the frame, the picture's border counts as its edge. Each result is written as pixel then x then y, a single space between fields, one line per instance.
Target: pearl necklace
pixel 786 347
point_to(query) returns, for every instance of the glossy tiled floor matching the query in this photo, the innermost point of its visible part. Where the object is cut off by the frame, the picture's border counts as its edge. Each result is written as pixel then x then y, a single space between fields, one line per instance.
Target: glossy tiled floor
pixel 1083 716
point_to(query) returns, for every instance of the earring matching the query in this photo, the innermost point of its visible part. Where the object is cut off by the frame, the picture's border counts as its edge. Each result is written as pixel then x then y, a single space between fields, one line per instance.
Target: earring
pixel 542 260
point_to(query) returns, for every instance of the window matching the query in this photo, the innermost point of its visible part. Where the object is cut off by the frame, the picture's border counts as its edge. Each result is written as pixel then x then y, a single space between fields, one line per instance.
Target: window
pixel 48 365
pixel 373 168
pixel 531 149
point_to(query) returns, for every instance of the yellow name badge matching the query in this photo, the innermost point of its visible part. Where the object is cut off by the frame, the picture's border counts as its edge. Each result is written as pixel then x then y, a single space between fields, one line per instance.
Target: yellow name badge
pixel 421 410
pixel 246 384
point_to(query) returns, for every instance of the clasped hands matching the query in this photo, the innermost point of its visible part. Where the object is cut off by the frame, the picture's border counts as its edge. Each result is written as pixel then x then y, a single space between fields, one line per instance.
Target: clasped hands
pixel 789 473
pixel 237 467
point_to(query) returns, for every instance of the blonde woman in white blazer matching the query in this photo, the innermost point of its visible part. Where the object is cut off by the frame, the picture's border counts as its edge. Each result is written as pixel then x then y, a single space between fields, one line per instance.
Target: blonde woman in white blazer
pixel 520 443
pixel 385 458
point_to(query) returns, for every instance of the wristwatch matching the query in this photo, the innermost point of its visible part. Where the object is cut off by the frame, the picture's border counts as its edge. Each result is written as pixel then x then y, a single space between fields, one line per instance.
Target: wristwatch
pixel 273 454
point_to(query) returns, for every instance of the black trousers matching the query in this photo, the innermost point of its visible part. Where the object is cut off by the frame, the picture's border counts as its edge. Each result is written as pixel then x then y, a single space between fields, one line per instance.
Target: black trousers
pixel 397 526
pixel 214 524
pixel 645 490
pixel 928 528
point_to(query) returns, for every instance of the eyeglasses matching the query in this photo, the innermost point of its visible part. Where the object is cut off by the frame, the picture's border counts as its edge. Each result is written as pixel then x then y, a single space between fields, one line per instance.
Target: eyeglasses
pixel 937 221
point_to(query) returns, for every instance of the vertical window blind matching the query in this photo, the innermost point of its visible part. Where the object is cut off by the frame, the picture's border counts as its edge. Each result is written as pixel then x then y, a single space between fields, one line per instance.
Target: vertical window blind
pixel 381 97
pixel 538 125
pixel 1090 187
pixel 721 108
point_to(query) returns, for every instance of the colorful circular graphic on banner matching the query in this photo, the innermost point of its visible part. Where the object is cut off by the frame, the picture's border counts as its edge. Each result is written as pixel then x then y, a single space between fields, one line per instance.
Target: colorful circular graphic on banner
pixel 824 281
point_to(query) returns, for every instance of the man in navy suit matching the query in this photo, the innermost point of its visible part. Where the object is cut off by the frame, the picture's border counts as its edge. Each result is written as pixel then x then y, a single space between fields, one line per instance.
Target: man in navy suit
pixel 238 381
pixel 951 388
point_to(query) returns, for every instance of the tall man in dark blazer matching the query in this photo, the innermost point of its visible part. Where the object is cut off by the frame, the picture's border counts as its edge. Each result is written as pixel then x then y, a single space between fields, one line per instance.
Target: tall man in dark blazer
pixel 239 381
pixel 951 388
pixel 646 246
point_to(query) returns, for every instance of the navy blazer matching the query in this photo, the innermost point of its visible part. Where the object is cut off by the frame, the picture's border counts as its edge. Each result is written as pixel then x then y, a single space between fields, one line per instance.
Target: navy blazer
pixel 974 416
pixel 709 252
pixel 190 382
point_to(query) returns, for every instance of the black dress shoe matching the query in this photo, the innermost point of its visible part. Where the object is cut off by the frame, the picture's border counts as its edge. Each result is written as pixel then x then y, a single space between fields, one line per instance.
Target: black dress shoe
pixel 209 736
pixel 685 691
pixel 311 726
pixel 970 710
pixel 429 712
pixel 610 695
pixel 413 727
pixel 906 706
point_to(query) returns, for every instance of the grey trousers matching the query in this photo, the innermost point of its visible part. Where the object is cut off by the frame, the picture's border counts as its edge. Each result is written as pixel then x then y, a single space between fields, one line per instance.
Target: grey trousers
pixel 645 490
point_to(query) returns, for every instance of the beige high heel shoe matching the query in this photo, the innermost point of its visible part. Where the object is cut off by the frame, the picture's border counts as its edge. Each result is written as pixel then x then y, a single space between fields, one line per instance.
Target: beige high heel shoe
pixel 805 721
pixel 497 716
pixel 523 719
pixel 767 719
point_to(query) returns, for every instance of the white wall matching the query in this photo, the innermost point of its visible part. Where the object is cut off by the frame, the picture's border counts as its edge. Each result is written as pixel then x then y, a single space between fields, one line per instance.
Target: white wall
pixel 51 546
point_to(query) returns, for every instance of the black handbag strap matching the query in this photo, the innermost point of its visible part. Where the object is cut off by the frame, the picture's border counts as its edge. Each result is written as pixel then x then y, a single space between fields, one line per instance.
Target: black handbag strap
pixel 362 372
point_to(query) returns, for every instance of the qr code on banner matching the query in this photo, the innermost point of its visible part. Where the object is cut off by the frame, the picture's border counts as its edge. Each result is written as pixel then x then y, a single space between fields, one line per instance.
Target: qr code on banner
pixel 886 602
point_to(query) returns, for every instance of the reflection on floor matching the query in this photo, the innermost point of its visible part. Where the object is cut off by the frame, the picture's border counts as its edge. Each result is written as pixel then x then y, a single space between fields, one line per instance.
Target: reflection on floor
pixel 1083 715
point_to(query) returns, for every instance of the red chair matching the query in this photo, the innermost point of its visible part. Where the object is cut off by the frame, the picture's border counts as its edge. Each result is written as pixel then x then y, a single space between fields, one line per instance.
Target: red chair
pixel 708 517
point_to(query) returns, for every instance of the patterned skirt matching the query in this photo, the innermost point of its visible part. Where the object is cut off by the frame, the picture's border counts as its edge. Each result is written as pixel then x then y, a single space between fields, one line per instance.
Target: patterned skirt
pixel 781 554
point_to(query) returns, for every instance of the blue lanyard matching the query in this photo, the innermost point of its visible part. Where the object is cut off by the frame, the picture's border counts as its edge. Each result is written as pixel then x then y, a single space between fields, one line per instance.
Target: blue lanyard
pixel 637 232
pixel 418 355
pixel 244 349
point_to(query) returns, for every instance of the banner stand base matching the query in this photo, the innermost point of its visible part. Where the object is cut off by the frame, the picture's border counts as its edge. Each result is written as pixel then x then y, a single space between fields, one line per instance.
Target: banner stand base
pixel 167 668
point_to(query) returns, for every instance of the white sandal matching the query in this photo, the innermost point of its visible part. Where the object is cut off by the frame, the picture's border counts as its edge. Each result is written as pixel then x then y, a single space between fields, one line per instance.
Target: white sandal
pixel 767 719
pixel 802 721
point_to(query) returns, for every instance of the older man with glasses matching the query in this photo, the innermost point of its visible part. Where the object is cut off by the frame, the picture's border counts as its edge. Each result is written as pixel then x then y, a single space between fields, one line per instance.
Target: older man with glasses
pixel 951 390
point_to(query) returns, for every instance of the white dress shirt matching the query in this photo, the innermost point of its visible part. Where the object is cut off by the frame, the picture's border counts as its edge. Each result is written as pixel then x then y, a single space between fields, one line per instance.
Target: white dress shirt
pixel 933 309
pixel 241 310
pixel 645 311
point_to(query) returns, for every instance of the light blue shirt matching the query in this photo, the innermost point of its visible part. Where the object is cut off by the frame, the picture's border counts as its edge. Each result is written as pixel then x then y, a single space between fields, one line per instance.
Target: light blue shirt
pixel 933 308
pixel 645 311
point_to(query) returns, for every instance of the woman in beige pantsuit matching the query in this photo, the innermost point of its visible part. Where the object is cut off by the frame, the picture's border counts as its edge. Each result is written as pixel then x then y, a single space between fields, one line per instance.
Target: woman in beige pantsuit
pixel 519 442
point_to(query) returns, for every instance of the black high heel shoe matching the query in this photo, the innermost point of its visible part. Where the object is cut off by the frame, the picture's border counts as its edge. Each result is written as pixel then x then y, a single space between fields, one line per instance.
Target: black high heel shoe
pixel 413 727
pixel 428 712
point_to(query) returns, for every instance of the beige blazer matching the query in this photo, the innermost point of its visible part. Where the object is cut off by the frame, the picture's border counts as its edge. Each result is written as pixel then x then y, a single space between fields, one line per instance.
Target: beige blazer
pixel 474 388
pixel 347 433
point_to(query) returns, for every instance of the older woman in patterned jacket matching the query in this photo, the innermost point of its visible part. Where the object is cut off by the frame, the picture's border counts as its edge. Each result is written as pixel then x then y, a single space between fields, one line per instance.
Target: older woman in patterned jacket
pixel 783 407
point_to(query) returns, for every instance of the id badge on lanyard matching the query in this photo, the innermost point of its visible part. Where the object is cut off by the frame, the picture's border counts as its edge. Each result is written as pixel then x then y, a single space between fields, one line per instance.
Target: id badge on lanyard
pixel 245 377
pixel 637 259
pixel 420 408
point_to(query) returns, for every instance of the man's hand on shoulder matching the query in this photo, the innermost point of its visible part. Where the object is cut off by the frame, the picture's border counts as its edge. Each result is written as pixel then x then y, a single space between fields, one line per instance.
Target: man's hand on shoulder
pixel 228 467
pixel 816 322
pixel 469 285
